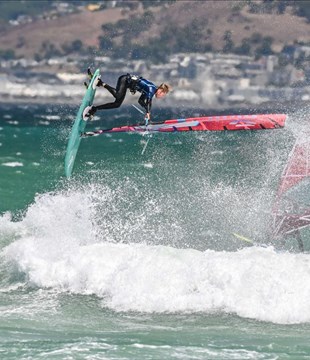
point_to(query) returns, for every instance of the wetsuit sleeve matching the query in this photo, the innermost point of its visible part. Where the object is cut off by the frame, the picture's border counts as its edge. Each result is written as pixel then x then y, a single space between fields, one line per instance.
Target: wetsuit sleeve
pixel 145 102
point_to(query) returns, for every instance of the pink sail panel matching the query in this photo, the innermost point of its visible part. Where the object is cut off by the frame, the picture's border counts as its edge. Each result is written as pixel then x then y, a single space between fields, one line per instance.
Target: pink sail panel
pixel 235 122
pixel 210 123
pixel 297 168
pixel 289 217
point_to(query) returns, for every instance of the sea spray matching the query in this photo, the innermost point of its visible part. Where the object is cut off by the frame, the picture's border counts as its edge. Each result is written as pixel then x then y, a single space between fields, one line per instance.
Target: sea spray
pixel 257 283
pixel 58 247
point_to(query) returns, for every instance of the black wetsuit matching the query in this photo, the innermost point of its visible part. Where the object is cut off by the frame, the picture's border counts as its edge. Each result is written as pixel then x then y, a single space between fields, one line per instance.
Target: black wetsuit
pixel 133 83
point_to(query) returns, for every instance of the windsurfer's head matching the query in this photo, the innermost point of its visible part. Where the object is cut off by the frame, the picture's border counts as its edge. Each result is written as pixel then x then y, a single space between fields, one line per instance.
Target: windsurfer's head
pixel 162 90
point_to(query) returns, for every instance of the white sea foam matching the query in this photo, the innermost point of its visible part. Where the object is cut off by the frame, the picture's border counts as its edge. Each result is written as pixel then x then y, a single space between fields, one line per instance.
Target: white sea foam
pixel 44 122
pixel 148 165
pixel 13 164
pixel 50 117
pixel 59 247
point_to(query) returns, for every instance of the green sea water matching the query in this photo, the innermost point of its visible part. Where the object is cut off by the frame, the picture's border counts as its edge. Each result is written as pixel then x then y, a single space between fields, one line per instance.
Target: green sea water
pixel 134 257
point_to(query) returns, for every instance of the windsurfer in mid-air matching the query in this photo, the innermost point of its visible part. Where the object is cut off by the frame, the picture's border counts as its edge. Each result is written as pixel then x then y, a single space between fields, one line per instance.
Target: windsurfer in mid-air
pixel 133 83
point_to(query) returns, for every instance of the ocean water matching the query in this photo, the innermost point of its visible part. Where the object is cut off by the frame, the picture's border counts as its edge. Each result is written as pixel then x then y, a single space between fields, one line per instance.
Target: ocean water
pixel 134 257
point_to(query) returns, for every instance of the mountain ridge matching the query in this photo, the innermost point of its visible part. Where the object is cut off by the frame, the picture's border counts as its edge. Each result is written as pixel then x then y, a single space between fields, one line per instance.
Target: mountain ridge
pixel 213 19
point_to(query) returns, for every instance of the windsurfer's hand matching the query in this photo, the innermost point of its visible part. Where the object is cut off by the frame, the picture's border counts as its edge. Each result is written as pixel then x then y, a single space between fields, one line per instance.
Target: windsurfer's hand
pixel 147 118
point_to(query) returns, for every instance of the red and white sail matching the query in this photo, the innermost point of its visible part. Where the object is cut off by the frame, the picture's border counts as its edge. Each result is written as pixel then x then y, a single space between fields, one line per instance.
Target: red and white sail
pixel 291 212
pixel 207 123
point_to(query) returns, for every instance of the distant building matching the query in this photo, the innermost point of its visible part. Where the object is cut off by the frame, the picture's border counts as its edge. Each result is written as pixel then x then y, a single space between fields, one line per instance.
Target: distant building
pixel 93 7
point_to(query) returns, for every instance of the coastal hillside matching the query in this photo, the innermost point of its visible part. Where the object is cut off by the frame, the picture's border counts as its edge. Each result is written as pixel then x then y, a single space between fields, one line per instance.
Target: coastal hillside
pixel 143 28
pixel 34 37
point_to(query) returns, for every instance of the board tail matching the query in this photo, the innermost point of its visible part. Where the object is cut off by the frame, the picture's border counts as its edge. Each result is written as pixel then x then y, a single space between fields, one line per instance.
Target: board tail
pixel 80 124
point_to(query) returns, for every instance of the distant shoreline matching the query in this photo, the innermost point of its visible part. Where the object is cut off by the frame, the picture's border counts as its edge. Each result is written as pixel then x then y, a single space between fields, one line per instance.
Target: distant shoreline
pixel 272 107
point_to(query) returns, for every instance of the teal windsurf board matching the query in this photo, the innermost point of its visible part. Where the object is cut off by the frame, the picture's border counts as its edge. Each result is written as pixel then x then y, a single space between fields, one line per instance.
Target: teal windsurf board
pixel 80 124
